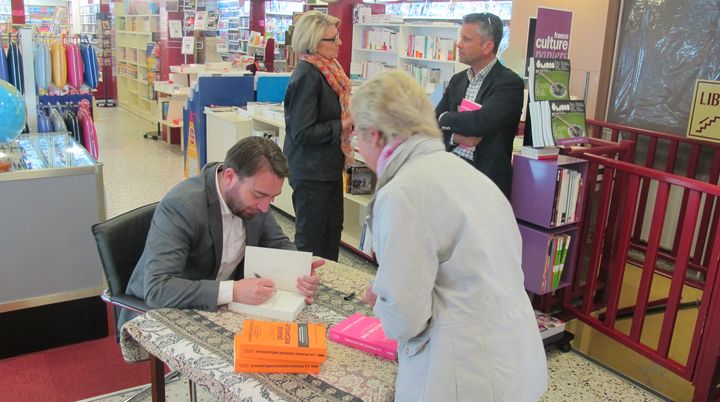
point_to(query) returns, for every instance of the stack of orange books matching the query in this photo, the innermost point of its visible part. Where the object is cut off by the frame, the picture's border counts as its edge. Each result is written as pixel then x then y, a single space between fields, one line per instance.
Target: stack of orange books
pixel 280 347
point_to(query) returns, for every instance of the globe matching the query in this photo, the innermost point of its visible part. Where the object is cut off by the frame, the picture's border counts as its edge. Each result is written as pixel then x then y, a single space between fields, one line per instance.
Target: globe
pixel 12 112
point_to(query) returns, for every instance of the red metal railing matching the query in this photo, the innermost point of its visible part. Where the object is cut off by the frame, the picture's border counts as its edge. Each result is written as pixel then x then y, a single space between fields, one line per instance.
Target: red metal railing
pixel 614 201
pixel 699 160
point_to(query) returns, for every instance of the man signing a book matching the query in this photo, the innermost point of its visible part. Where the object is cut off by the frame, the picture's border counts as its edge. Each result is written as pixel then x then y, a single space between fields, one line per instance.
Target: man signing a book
pixel 484 136
pixel 195 248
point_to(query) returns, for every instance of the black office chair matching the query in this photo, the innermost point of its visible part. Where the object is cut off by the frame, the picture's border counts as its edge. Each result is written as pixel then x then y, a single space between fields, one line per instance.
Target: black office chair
pixel 120 242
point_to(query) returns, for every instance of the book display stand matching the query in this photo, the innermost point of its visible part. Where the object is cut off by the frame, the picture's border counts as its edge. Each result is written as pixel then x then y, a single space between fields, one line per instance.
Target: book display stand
pixel 548 199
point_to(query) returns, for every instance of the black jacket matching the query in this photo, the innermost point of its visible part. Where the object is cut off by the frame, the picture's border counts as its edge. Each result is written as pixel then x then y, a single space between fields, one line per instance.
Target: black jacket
pixel 312 126
pixel 501 97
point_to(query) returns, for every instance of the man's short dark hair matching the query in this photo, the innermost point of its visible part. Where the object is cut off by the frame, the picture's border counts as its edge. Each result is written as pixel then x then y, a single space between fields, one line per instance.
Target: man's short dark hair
pixel 490 25
pixel 252 154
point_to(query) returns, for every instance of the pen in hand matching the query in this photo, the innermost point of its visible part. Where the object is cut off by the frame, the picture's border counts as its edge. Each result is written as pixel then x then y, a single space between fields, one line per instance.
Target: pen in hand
pixel 257 275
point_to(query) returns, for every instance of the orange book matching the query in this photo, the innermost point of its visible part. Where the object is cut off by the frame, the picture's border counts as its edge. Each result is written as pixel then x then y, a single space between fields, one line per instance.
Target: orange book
pixel 285 341
pixel 249 365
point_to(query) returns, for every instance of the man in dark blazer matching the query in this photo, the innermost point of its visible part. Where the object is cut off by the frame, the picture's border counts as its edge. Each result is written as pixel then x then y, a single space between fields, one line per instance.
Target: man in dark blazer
pixel 195 249
pixel 483 137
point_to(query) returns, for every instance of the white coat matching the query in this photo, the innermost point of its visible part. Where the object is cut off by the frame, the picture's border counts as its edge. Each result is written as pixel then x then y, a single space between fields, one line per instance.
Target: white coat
pixel 449 284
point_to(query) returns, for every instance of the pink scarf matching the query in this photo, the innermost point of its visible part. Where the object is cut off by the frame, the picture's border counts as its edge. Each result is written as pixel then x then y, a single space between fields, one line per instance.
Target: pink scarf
pixel 386 153
pixel 340 83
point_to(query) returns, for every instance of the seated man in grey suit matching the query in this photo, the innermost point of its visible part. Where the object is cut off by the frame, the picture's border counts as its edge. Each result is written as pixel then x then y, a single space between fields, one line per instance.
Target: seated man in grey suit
pixel 194 253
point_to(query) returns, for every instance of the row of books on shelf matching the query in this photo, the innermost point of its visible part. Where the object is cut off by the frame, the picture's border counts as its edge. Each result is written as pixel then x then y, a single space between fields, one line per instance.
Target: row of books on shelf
pixel 430 47
pixel 363 70
pixel 558 246
pixel 379 39
pixel 428 78
pixel 567 191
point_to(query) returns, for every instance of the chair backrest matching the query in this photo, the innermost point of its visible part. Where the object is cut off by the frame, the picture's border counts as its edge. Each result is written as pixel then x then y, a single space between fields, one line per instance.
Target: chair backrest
pixel 120 242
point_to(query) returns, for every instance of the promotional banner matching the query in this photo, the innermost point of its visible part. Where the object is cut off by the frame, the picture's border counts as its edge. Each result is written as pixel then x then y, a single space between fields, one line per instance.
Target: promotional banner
pixel 552 34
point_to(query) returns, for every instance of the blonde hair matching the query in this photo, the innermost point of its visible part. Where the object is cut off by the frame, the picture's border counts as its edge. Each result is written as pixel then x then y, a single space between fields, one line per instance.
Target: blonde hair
pixel 310 30
pixel 394 104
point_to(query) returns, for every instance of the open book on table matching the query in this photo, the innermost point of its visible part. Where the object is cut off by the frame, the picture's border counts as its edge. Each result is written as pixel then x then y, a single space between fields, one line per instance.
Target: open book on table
pixel 283 267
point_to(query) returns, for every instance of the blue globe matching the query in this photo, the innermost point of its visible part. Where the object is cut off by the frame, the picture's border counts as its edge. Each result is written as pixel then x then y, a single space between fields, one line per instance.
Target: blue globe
pixel 12 112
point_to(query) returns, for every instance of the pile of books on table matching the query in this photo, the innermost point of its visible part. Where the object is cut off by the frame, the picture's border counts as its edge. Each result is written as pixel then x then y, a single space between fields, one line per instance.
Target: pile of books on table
pixel 280 347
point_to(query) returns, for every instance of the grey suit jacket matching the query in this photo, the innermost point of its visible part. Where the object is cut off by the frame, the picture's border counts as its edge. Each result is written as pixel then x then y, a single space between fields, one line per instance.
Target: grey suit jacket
pixel 184 247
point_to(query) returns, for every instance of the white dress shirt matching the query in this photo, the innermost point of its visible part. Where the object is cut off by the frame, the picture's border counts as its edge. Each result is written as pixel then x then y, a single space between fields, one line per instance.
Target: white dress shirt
pixel 233 250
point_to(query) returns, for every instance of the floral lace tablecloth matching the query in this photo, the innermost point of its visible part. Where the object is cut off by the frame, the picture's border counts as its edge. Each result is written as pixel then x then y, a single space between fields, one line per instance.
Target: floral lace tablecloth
pixel 199 344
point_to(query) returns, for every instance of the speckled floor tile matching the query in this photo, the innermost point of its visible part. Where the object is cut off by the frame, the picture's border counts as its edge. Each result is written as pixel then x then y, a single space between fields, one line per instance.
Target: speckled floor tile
pixel 136 171
pixel 139 171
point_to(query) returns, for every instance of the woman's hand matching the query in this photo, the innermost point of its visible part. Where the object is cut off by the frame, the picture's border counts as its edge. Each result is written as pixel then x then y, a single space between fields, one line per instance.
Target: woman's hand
pixel 369 297
pixel 308 284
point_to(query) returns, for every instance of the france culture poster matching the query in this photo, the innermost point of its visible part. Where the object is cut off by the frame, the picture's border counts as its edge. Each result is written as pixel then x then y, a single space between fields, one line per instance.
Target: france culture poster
pixel 552 34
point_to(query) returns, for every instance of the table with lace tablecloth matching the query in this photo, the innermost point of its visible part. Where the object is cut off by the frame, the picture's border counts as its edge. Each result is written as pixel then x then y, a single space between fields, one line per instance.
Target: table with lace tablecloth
pixel 199 344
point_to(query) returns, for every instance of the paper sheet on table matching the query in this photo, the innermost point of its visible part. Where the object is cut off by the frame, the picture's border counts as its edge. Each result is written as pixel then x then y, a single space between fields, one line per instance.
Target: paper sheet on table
pixel 282 266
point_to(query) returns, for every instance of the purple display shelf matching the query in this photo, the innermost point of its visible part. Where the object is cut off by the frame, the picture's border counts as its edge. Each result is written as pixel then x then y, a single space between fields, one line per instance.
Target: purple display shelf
pixel 533 187
pixel 534 253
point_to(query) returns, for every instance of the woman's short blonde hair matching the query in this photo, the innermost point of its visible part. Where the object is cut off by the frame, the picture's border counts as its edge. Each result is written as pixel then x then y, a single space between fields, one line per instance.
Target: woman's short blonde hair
pixel 310 30
pixel 393 103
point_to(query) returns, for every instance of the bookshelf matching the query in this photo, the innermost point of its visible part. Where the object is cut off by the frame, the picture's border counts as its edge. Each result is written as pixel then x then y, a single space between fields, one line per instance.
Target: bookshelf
pixel 5 12
pixel 547 199
pixel 134 77
pixel 233 27
pixel 88 20
pixel 425 51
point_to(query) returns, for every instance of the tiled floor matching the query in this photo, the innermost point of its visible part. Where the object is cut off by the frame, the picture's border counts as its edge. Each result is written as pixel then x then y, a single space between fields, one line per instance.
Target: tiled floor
pixel 138 171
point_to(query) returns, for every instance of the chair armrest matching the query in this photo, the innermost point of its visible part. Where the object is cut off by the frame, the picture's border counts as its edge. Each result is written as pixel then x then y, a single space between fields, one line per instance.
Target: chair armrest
pixel 125 301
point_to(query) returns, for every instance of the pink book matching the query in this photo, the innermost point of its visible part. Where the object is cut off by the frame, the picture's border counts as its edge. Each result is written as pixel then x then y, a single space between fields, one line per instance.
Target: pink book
pixel 468 106
pixel 364 333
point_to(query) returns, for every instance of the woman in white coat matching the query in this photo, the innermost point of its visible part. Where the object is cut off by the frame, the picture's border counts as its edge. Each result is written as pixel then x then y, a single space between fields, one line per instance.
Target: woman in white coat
pixel 449 286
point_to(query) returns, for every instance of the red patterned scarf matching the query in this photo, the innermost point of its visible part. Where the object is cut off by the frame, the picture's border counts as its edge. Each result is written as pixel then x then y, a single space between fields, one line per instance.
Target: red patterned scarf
pixel 340 83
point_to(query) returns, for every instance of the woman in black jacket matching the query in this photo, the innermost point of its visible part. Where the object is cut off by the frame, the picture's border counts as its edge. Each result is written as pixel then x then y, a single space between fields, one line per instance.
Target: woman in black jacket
pixel 318 128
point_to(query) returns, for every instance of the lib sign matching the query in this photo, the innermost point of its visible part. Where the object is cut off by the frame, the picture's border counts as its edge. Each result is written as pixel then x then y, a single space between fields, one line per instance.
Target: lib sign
pixel 704 119
pixel 552 34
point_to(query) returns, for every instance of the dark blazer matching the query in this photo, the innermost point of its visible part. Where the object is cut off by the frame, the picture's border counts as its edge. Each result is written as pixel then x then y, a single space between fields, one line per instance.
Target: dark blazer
pixel 312 126
pixel 501 97
pixel 184 247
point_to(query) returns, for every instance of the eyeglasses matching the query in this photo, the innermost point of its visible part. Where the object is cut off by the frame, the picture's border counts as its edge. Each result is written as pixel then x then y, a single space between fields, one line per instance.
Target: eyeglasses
pixel 489 24
pixel 335 39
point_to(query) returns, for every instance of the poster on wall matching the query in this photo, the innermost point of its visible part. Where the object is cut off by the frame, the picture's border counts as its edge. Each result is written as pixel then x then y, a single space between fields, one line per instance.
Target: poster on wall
pixel 188 45
pixel 201 20
pixel 175 28
pixel 189 21
pixel 552 34
pixel 704 122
